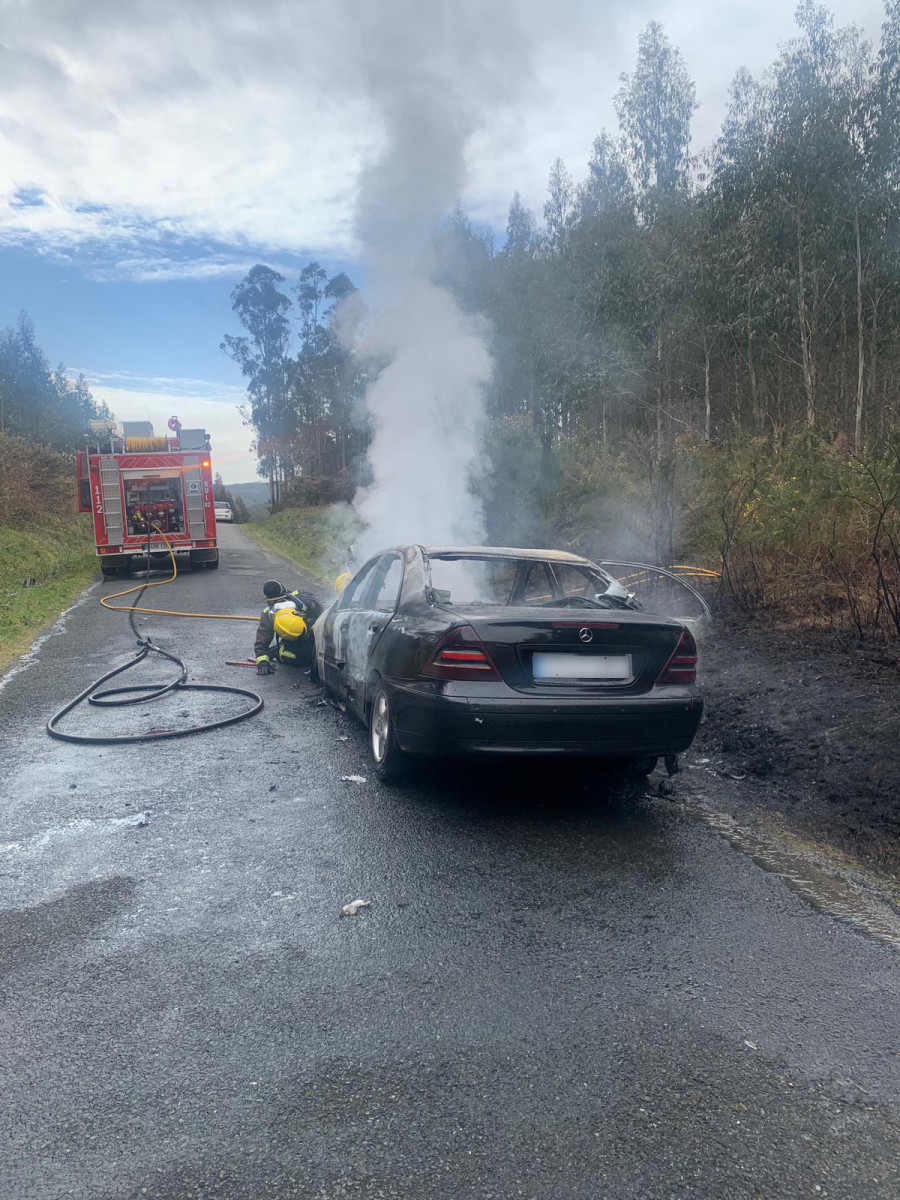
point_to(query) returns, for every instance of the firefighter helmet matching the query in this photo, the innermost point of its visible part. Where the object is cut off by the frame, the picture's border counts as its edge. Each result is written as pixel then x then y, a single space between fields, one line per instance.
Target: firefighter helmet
pixel 289 624
pixel 341 582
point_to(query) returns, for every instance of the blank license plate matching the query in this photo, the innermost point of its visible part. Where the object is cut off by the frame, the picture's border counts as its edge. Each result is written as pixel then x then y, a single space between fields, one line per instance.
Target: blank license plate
pixel 581 666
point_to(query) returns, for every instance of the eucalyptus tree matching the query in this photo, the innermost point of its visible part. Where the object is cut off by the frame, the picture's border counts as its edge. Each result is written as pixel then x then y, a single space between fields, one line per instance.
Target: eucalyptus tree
pixel 39 403
pixel 326 381
pixel 263 357
pixel 655 105
pixel 513 311
pixel 602 251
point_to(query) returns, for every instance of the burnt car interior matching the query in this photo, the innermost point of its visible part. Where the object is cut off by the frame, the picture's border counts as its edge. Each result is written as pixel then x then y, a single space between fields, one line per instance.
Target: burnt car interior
pixel 467 580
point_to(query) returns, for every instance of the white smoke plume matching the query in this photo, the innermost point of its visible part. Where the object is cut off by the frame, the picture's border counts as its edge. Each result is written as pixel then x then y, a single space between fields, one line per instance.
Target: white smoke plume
pixel 434 72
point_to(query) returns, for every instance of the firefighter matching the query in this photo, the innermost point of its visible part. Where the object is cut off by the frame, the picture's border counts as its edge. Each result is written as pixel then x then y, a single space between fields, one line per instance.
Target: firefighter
pixel 288 618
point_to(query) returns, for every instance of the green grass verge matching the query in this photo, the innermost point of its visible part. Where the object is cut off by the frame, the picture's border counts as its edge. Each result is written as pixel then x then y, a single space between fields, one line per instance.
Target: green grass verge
pixel 59 556
pixel 313 538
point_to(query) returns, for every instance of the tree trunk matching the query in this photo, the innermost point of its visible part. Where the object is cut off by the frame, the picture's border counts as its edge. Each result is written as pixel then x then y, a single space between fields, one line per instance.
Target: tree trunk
pixel 707 397
pixel 873 350
pixel 751 366
pixel 843 392
pixel 860 340
pixel 659 394
pixel 802 318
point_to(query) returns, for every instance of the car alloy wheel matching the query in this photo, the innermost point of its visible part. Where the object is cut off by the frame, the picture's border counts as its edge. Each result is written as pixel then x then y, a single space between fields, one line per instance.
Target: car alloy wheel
pixel 388 760
pixel 381 727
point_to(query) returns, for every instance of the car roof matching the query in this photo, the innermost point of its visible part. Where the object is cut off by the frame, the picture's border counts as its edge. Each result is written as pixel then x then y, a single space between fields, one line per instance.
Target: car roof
pixel 505 552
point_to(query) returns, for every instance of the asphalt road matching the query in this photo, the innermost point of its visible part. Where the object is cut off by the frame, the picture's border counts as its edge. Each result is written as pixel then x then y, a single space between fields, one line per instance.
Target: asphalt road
pixel 559 990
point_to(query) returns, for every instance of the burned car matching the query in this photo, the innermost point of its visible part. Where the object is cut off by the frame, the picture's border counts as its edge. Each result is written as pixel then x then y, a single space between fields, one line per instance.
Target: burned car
pixel 492 652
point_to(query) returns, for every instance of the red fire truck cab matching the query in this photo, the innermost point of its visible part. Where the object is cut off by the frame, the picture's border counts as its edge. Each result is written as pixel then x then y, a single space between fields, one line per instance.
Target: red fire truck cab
pixel 136 484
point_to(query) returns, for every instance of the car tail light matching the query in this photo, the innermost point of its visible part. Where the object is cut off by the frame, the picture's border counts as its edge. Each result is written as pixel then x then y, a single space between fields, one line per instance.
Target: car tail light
pixel 461 654
pixel 682 666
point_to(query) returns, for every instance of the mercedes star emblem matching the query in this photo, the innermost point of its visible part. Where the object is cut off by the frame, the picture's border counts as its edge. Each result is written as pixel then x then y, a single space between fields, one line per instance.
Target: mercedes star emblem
pixel 585 634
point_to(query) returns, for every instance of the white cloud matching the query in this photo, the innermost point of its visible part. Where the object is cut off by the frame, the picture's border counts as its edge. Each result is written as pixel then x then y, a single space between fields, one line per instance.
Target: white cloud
pixel 144 268
pixel 132 125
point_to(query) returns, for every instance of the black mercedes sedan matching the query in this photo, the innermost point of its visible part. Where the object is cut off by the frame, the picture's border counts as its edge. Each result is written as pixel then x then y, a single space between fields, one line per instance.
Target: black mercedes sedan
pixel 487 651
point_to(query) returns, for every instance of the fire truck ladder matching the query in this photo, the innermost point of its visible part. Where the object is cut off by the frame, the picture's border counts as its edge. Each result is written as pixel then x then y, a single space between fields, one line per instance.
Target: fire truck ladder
pixel 111 498
pixel 195 519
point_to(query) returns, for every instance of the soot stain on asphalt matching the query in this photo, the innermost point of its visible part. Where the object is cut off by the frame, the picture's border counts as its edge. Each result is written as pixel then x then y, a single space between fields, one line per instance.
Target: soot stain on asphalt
pixel 31 934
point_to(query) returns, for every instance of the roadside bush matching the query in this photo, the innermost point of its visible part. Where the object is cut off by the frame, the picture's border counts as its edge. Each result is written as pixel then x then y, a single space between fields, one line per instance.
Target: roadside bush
pixel 35 481
pixel 241 511
pixel 314 538
pixel 309 492
pixel 808 528
pixel 46 545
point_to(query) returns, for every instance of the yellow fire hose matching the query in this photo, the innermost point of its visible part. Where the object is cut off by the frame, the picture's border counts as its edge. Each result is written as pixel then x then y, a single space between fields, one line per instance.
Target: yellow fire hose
pixel 680 571
pixel 165 612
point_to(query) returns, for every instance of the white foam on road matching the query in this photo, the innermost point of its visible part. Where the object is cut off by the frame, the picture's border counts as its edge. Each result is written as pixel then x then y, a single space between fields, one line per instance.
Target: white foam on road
pixel 73 829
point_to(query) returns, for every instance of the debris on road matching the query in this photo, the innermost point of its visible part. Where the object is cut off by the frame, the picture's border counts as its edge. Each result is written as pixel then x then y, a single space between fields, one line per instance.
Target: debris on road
pixel 343 737
pixel 353 779
pixel 666 787
pixel 351 909
pixel 138 821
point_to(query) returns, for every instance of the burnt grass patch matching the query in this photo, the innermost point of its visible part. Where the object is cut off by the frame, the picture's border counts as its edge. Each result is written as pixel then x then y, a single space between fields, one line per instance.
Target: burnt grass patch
pixel 814 719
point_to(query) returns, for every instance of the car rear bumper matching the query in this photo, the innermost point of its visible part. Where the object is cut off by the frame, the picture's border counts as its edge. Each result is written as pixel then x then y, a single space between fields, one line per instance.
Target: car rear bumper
pixel 611 727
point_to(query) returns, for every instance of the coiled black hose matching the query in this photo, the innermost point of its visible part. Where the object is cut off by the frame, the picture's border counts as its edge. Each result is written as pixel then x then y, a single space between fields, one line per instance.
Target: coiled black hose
pixel 121 696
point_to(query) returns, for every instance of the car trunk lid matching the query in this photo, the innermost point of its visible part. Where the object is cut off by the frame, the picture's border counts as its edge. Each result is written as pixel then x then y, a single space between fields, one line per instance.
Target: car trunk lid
pixel 556 651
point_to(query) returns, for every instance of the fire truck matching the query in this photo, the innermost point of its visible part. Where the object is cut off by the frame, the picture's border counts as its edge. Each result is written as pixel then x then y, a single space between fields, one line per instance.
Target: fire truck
pixel 135 484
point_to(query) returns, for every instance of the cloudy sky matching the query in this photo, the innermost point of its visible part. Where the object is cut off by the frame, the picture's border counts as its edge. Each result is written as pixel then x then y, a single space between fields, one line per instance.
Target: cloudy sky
pixel 151 151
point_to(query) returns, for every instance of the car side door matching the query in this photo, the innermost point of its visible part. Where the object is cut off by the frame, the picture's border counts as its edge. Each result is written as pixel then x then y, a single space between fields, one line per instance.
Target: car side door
pixel 340 641
pixel 378 602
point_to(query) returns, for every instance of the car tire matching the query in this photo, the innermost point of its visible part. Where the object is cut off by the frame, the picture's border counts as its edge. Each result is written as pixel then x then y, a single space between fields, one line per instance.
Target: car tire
pixel 388 760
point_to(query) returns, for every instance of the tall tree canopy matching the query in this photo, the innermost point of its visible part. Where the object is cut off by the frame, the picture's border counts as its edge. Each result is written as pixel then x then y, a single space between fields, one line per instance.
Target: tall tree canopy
pixel 36 401
pixel 753 288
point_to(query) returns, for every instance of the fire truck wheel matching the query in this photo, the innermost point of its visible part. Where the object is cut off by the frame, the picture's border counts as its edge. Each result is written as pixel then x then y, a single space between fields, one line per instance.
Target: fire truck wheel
pixel 213 564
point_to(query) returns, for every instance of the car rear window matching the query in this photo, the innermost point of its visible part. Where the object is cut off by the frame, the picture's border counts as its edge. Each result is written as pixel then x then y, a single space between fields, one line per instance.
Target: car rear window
pixel 467 581
pixel 463 580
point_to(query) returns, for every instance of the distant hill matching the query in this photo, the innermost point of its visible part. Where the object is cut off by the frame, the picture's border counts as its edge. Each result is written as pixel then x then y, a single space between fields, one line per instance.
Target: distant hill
pixel 256 492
